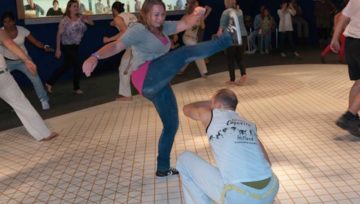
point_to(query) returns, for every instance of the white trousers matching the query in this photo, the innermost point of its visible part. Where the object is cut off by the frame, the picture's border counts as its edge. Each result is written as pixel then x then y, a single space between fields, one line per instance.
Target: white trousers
pixel 200 63
pixel 124 83
pixel 202 183
pixel 12 94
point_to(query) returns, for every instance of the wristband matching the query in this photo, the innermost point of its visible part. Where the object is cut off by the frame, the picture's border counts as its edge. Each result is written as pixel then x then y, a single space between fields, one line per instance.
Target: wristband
pixel 96 55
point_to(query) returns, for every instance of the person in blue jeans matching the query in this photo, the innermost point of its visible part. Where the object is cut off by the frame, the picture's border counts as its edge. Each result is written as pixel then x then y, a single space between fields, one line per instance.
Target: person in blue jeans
pixel 19 35
pixel 156 66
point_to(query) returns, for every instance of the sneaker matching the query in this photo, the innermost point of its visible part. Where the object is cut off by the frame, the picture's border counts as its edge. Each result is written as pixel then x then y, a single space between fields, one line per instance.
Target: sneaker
pixel 234 28
pixel 351 125
pixel 171 171
pixel 45 105
pixel 283 54
pixel 296 54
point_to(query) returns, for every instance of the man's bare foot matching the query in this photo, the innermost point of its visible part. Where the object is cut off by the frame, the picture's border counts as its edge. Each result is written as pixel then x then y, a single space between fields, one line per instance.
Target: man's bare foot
pixel 123 98
pixel 51 136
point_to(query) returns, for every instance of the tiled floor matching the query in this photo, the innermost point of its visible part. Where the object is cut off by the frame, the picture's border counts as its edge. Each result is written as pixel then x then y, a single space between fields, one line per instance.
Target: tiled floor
pixel 107 153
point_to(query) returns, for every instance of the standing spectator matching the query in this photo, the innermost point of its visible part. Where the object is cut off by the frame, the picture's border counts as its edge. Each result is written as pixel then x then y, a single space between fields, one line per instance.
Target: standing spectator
pixel 55 10
pixel 350 21
pixel 286 27
pixel 19 34
pixel 323 10
pixel 122 20
pixel 31 6
pixel 235 53
pixel 266 27
pixel 99 7
pixel 243 171
pixel 12 94
pixel 70 32
pixel 302 26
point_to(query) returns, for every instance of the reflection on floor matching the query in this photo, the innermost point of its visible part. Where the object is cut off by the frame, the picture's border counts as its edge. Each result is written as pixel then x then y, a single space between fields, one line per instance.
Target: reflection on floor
pixel 107 153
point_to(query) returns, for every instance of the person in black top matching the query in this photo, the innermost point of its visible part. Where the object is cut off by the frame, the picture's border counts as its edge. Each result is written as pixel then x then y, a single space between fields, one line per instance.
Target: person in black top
pixel 55 10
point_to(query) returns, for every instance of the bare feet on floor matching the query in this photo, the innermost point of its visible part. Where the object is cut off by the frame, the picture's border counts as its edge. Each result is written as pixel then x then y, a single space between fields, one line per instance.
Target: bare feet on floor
pixel 123 98
pixel 241 81
pixel 51 136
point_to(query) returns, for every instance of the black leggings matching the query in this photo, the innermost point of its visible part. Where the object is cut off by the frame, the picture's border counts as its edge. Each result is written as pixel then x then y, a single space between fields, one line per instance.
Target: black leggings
pixel 235 56
pixel 71 58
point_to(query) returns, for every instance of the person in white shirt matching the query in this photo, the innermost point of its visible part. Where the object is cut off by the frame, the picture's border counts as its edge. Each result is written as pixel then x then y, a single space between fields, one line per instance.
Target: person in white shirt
pixel 242 173
pixel 121 21
pixel 350 21
pixel 19 34
pixel 285 13
pixel 12 94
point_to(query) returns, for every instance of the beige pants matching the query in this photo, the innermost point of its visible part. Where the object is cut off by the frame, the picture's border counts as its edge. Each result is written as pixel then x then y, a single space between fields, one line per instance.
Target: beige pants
pixel 200 63
pixel 124 77
pixel 12 94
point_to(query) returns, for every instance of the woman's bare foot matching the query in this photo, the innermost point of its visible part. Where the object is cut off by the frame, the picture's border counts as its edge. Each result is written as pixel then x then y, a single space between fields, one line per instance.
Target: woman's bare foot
pixel 241 81
pixel 231 83
pixel 51 136
pixel 123 98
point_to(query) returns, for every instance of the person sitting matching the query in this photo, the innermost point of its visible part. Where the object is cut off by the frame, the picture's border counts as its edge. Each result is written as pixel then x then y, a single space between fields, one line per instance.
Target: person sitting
pixel 243 171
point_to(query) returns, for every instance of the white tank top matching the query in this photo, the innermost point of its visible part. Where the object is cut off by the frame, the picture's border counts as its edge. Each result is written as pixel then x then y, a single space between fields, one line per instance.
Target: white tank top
pixel 236 149
pixel 128 18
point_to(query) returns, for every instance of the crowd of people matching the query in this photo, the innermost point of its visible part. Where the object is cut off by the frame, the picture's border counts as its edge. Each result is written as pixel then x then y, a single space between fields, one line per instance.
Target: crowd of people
pixel 243 171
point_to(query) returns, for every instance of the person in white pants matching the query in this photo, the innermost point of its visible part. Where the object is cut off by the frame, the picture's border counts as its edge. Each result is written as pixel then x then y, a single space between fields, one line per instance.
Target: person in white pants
pixel 190 37
pixel 12 94
pixel 243 171
pixel 121 21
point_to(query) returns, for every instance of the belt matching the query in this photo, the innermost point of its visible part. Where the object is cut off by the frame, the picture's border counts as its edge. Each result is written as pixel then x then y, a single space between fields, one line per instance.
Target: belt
pixel 11 59
pixel 3 71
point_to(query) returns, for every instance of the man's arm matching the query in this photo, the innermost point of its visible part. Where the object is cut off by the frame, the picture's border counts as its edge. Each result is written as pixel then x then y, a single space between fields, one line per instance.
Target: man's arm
pixel 10 45
pixel 264 151
pixel 199 111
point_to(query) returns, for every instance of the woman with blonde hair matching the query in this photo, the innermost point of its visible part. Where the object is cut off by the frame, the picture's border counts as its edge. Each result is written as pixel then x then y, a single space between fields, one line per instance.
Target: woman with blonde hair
pixel 235 53
pixel 156 66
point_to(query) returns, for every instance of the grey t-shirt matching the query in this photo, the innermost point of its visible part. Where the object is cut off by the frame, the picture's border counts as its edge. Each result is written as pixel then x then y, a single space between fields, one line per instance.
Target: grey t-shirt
pixel 145 45
pixel 224 20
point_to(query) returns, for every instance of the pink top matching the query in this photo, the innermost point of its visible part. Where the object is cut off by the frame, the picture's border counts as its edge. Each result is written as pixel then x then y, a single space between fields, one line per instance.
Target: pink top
pixel 138 76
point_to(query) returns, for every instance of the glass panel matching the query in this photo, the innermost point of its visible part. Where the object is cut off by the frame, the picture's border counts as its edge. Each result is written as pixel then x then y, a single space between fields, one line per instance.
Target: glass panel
pixel 43 8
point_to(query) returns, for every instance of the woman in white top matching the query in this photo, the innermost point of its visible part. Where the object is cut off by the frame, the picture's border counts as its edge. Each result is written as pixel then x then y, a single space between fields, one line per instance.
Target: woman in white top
pixel 285 13
pixel 12 94
pixel 121 21
pixel 19 34
pixel 190 37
